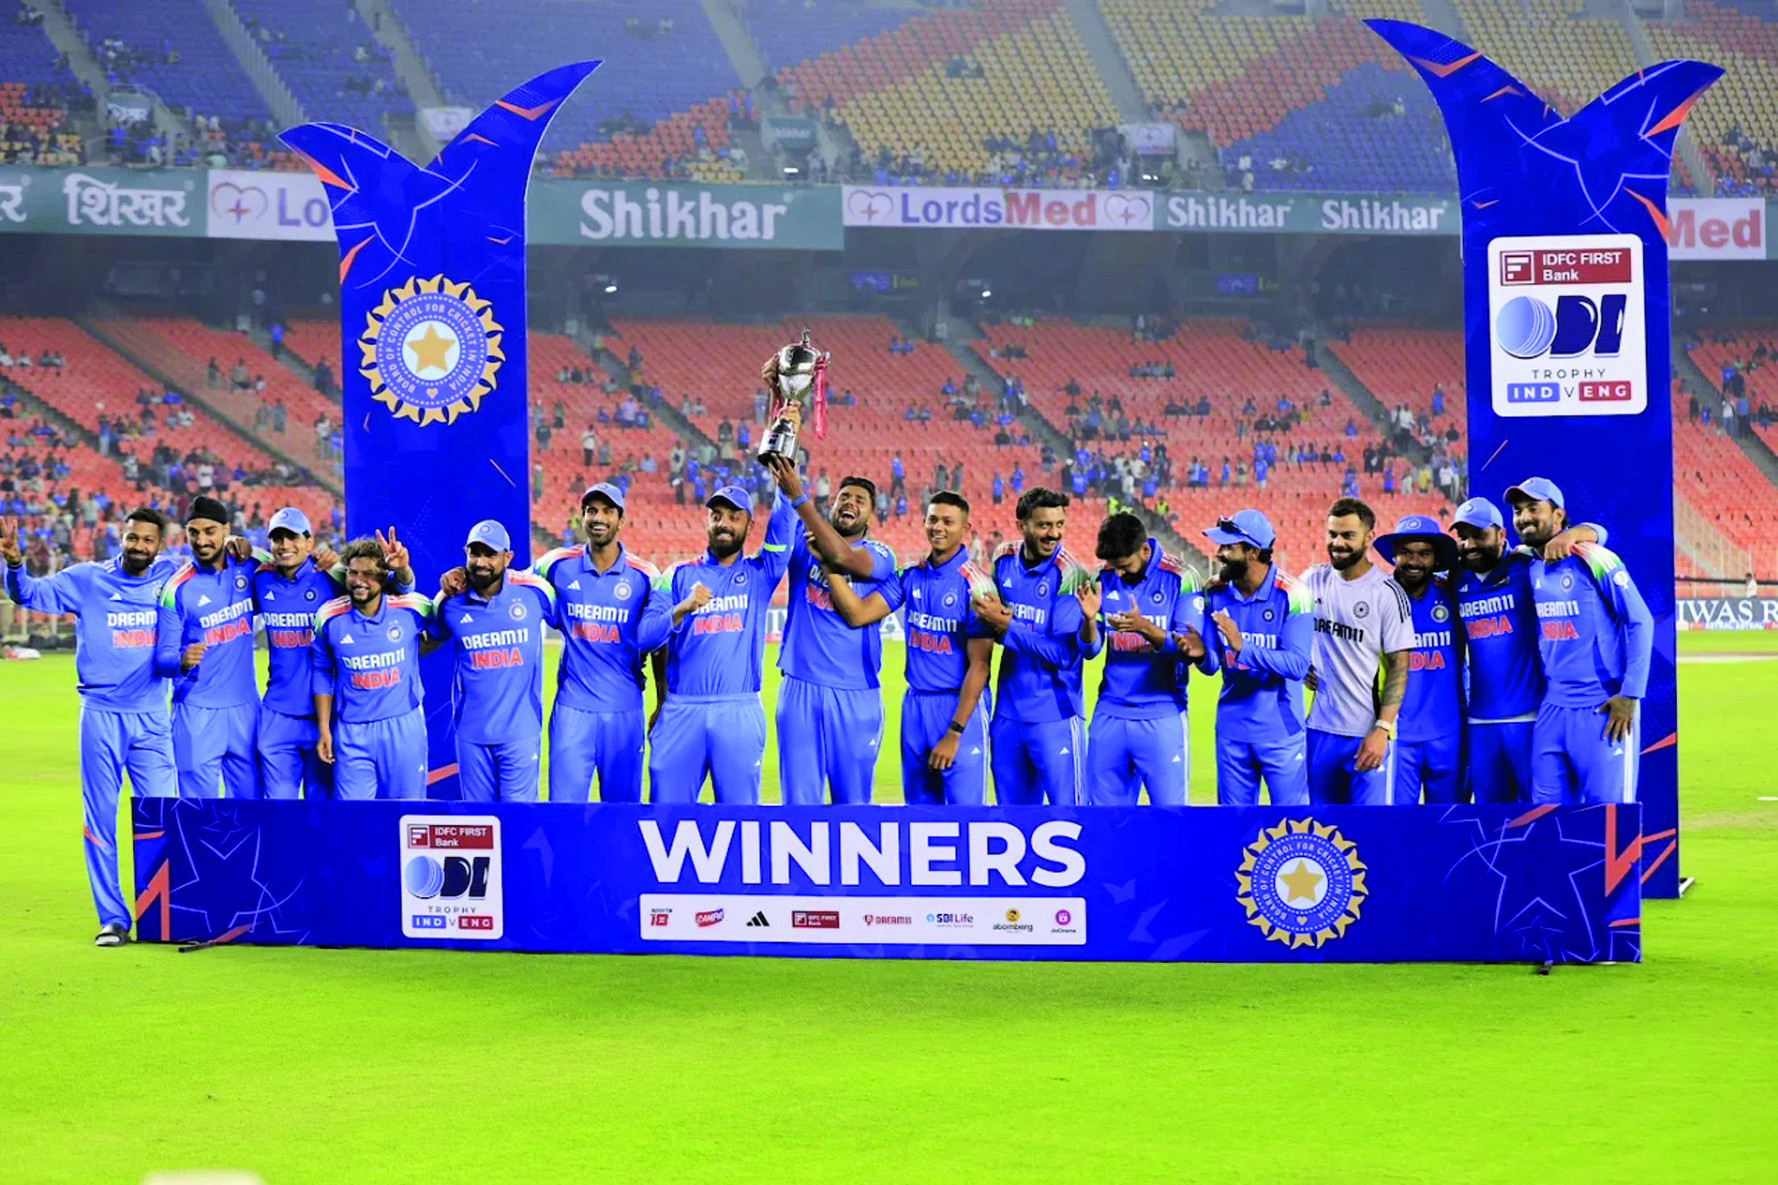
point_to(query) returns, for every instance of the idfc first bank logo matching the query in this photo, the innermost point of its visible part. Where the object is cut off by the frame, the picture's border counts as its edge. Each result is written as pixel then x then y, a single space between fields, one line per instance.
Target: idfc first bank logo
pixel 1566 325
pixel 450 877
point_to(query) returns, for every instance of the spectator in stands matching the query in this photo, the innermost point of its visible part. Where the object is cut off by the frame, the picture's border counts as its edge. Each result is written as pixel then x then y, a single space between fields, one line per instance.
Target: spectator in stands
pixel 238 377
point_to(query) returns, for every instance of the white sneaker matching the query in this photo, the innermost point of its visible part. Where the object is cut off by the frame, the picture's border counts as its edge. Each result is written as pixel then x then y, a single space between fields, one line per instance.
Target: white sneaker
pixel 112 934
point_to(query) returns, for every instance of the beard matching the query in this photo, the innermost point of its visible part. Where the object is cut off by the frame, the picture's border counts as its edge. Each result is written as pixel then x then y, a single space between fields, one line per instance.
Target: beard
pixel 1344 560
pixel 482 580
pixel 136 562
pixel 1232 570
pixel 724 545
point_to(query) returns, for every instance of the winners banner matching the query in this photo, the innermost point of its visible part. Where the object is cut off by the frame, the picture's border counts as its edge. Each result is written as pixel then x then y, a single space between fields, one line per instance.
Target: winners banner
pixel 1200 884
pixel 1566 328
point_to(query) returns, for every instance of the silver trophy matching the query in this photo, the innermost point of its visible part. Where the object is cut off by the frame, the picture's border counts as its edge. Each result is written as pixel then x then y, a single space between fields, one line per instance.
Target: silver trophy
pixel 798 367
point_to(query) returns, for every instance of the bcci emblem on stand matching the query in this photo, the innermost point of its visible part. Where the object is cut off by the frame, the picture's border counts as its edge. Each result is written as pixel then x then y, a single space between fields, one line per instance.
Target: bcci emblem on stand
pixel 431 350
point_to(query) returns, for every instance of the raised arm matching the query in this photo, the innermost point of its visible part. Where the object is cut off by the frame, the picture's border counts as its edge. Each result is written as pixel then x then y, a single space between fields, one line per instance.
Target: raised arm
pixel 856 611
pixel 774 553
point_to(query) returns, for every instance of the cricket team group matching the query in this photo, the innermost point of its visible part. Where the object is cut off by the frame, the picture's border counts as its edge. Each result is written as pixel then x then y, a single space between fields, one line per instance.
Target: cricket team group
pixel 1477 669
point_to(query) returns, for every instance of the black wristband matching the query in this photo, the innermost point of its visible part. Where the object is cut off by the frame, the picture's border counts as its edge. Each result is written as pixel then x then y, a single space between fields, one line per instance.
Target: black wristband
pixel 955 727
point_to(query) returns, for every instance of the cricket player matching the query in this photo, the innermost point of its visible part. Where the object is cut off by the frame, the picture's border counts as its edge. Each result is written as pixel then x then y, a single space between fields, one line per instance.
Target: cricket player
pixel 1038 749
pixel 1145 599
pixel 1428 749
pixel 287 593
pixel 611 618
pixel 1596 638
pixel 496 625
pixel 123 700
pixel 1264 622
pixel 944 713
pixel 366 657
pixel 1506 683
pixel 1361 623
pixel 710 723
pixel 830 710
pixel 204 644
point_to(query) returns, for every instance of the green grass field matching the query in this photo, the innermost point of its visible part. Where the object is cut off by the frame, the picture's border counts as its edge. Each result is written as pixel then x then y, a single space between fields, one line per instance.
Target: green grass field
pixel 349 1066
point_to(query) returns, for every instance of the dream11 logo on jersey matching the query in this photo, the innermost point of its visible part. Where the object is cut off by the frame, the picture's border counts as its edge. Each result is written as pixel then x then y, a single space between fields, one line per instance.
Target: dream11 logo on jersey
pixel 1566 325
pixel 450 877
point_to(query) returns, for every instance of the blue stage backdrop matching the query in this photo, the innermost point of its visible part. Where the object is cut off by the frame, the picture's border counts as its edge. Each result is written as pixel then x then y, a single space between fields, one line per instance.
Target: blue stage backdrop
pixel 1566 328
pixel 432 319
pixel 1261 884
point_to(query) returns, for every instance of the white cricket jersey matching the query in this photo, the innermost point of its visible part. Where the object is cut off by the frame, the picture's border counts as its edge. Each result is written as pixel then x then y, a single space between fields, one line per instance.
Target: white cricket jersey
pixel 1356 623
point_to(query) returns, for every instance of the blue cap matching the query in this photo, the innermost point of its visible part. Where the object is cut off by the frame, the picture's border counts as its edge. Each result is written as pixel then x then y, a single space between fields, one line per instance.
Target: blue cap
pixel 611 493
pixel 290 519
pixel 1479 513
pixel 489 534
pixel 1422 528
pixel 1535 489
pixel 736 496
pixel 1244 526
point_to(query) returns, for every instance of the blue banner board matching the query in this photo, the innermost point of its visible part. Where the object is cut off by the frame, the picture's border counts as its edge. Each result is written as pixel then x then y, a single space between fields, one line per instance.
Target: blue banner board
pixel 1566 327
pixel 1260 884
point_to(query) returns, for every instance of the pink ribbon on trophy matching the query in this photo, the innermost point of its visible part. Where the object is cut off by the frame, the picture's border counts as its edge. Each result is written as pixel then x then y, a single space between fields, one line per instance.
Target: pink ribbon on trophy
pixel 818 400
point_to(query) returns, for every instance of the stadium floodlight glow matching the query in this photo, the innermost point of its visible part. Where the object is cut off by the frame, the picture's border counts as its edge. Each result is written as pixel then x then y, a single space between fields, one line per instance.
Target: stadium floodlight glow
pixel 791 170
pixel 605 283
pixel 986 293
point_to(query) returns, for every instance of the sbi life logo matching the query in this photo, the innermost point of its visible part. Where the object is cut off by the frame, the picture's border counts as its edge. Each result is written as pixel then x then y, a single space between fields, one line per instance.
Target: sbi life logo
pixel 1566 325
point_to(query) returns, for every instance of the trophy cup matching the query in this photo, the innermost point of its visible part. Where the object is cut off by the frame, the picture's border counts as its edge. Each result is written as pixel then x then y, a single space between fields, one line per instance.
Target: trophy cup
pixel 802 373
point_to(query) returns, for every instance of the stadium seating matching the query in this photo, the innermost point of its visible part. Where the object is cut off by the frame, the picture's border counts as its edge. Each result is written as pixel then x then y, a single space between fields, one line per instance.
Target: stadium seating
pixel 1212 360
pixel 97 382
pixel 1740 349
pixel 1735 118
pixel 31 83
pixel 672 85
pixel 182 347
pixel 1552 47
pixel 313 52
pixel 1318 95
pixel 174 49
pixel 1402 364
pixel 925 97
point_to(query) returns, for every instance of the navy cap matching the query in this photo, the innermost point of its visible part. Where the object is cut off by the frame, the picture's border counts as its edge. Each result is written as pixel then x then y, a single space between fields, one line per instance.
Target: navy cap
pixel 205 507
pixel 1244 526
pixel 1425 529
pixel 736 496
pixel 1535 489
pixel 489 534
pixel 611 493
pixel 1479 513
pixel 290 519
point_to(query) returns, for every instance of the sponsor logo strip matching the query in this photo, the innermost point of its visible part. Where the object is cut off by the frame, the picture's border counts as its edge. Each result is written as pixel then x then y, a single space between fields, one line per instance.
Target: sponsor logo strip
pixel 866 921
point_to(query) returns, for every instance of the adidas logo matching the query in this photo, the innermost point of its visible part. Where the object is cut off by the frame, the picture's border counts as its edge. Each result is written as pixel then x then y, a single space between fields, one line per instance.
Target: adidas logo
pixel 202 601
pixel 467 619
pixel 575 587
pixel 345 638
pixel 758 919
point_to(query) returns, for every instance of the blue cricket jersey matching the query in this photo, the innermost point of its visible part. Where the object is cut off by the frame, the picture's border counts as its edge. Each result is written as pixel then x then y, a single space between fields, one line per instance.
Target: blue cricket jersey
pixel 818 644
pixel 287 608
pixel 115 633
pixel 1261 700
pixel 717 652
pixel 215 607
pixel 1433 705
pixel 1142 681
pixel 1596 635
pixel 939 619
pixel 1040 667
pixel 497 685
pixel 370 665
pixel 609 621
pixel 1500 635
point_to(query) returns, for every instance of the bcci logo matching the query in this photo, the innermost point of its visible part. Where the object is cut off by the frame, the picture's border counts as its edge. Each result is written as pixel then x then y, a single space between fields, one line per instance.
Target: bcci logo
pixel 1301 883
pixel 431 351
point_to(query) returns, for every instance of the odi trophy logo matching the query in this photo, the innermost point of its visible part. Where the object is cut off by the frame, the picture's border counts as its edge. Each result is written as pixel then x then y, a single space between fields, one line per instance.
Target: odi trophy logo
pixel 431 350
pixel 450 877
pixel 1566 325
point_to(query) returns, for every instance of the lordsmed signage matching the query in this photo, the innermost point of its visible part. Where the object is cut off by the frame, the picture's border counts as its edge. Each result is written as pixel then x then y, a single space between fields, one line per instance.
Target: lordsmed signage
pixel 1015 209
